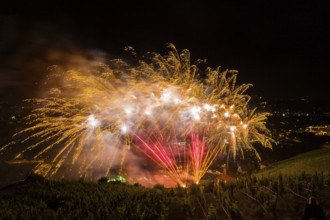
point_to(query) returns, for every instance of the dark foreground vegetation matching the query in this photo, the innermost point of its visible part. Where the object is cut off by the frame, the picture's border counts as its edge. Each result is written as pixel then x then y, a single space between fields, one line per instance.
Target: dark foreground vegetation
pixel 280 197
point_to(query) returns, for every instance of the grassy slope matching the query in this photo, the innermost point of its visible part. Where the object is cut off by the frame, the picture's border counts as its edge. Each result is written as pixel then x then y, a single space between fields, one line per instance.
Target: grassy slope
pixel 310 162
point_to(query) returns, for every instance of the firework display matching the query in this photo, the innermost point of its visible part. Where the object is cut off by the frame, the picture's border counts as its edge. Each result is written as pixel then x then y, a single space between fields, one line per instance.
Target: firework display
pixel 177 114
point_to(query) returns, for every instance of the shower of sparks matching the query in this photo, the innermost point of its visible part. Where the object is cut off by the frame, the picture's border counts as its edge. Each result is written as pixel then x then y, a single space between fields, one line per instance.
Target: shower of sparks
pixel 201 156
pixel 184 162
pixel 93 114
pixel 169 156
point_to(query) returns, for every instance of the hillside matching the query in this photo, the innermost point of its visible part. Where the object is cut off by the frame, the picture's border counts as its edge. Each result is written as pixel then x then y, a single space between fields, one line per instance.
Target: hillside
pixel 278 192
pixel 309 162
pixel 277 197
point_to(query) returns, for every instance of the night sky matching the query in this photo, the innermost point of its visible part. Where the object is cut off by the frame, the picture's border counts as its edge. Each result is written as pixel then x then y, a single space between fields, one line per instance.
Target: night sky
pixel 282 47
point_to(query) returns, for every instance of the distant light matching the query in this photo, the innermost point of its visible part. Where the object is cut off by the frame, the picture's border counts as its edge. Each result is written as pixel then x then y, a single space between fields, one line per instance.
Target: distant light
pixel 283 115
pixel 226 114
pixel 245 125
pixel 232 128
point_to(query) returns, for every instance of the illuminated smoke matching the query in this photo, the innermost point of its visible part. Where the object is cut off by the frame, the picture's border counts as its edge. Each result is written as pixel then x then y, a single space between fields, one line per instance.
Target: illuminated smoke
pixel 99 116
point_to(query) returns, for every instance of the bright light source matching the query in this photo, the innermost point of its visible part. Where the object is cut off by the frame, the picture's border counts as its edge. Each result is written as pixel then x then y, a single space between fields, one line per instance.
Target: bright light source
pixel 128 111
pixel 194 111
pixel 176 100
pixel 166 96
pixel 147 112
pixel 170 96
pixel 197 117
pixel 232 128
pixel 226 114
pixel 207 107
pixel 92 121
pixel 124 129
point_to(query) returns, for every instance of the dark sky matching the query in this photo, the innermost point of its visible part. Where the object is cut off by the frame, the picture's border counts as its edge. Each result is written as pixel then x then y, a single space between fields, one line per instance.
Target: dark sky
pixel 282 47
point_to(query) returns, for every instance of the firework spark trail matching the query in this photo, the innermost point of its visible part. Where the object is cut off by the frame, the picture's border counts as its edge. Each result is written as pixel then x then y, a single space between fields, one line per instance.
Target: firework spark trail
pixel 201 156
pixel 197 152
pixel 84 120
pixel 163 154
pixel 197 158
